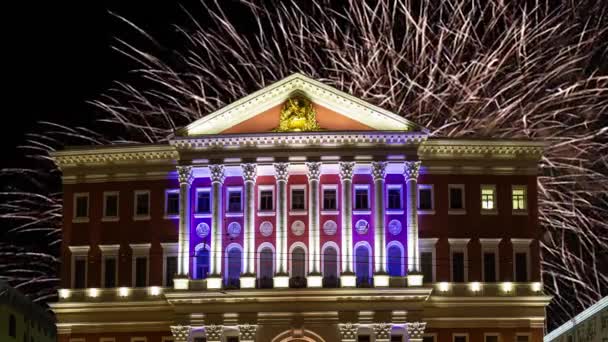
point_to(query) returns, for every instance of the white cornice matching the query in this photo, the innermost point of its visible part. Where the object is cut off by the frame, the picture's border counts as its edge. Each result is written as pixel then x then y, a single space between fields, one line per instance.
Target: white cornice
pixel 114 154
pixel 479 149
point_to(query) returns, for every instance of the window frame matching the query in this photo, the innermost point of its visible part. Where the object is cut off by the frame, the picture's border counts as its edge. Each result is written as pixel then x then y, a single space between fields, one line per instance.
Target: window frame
pixel 170 249
pixel 394 211
pixel 108 218
pixel 463 210
pixel 430 245
pixel 199 214
pixel 75 217
pixel 465 335
pixel 488 334
pixel 523 211
pixel 325 211
pixel 109 252
pixel 490 245
pixel 521 246
pixel 140 250
pixel 298 212
pixel 361 211
pixel 79 252
pixel 229 190
pixel 494 209
pixel 426 211
pixel 141 217
pixel 263 188
pixel 457 246
pixel 167 214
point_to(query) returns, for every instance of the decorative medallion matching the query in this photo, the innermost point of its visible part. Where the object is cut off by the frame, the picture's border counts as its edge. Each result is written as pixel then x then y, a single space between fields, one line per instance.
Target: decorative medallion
pixel 362 227
pixel 234 229
pixel 266 228
pixel 297 228
pixel 330 227
pixel 202 229
pixel 298 115
pixel 394 227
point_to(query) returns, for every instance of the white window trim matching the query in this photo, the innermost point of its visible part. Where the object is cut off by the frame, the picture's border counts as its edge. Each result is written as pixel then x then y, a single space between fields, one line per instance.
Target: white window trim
pixel 140 250
pixel 261 188
pixel 170 249
pixel 429 245
pixel 81 219
pixel 459 245
pixel 329 211
pixel 298 212
pixel 79 252
pixel 520 211
pixel 522 246
pixel 259 251
pixel 454 335
pixel 108 252
pixel 490 245
pixel 167 192
pixel 140 217
pixel 487 334
pixel 198 214
pixel 361 211
pixel 290 261
pixel 230 189
pixel 337 248
pixel 426 211
pixel 226 255
pixel 107 339
pixel 493 211
pixel 399 245
pixel 139 339
pixel 462 211
pixel 106 218
pixel 392 187
pixel 370 256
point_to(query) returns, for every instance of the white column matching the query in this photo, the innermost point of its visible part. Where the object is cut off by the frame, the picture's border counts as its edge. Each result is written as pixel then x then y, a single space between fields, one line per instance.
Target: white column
pixel 380 276
pixel 382 332
pixel 184 176
pixel 214 333
pixel 314 278
pixel 181 333
pixel 415 331
pixel 348 332
pixel 249 177
pixel 247 332
pixel 410 172
pixel 281 278
pixel 214 281
pixel 347 277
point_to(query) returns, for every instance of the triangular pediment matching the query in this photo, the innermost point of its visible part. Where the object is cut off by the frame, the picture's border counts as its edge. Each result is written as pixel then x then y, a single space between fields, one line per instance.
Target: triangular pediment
pixel 335 111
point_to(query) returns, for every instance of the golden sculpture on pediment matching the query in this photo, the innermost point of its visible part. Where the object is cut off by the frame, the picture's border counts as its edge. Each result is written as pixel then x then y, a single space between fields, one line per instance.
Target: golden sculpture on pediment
pixel 298 115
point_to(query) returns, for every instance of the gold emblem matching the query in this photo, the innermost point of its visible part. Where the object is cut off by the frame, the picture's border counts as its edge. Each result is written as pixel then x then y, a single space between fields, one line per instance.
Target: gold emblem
pixel 298 115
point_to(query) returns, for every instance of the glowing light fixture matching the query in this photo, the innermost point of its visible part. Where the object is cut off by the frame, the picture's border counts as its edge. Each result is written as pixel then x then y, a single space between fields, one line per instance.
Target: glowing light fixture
pixel 475 286
pixel 507 287
pixel 537 287
pixel 64 293
pixel 123 291
pixel 444 287
pixel 154 290
pixel 93 292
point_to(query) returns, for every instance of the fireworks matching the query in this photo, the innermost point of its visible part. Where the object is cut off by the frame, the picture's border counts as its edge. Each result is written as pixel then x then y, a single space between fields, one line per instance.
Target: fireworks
pixel 501 69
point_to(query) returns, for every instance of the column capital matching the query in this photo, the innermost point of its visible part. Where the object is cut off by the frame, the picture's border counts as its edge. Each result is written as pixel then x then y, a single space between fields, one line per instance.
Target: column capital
pixel 382 331
pixel 314 170
pixel 281 171
pixel 346 170
pixel 217 173
pixel 250 172
pixel 415 330
pixel 214 332
pixel 379 170
pixel 410 170
pixel 247 332
pixel 348 331
pixel 184 174
pixel 180 332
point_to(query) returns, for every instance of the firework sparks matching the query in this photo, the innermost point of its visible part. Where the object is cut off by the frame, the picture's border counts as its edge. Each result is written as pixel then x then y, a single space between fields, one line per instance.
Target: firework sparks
pixel 464 69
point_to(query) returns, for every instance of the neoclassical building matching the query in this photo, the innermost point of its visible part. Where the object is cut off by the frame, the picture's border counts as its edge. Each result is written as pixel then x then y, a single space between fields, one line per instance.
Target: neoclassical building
pixel 301 213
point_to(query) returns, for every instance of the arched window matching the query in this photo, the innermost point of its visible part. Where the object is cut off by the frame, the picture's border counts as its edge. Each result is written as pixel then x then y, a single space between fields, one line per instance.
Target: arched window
pixel 362 265
pixel 233 266
pixel 394 261
pixel 330 267
pixel 201 261
pixel 298 263
pixel 12 326
pixel 265 267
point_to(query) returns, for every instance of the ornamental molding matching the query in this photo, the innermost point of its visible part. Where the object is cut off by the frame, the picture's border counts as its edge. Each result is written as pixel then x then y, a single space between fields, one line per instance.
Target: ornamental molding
pixel 247 332
pixel 348 331
pixel 214 332
pixel 346 170
pixel 476 149
pixel 250 172
pixel 379 170
pixel 180 332
pixel 411 170
pixel 382 331
pixel 314 170
pixel 281 171
pixel 415 330
pixel 184 174
pixel 217 173
pixel 111 154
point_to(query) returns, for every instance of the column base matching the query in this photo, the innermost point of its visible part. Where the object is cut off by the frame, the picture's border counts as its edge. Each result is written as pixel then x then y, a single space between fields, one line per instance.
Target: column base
pixel 247 281
pixel 314 280
pixel 381 280
pixel 214 282
pixel 181 282
pixel 280 281
pixel 414 279
pixel 348 280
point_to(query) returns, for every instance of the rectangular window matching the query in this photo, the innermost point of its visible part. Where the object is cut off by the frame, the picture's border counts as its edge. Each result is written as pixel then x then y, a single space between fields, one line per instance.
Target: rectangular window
pixel 521 267
pixel 141 271
pixel 298 200
pixel 489 267
pixel 425 197
pixel 81 206
pixel 460 338
pixel 488 197
pixel 110 204
pixel 428 338
pixel 522 338
pixel 491 338
pixel 232 339
pixel 518 198
pixel 203 201
pixel 361 198
pixel 235 201
pixel 266 200
pixel 330 199
pixel 396 338
pixel 142 203
pixel 394 198
pixel 426 264
pixel 110 273
pixel 363 338
pixel 171 270
pixel 458 267
pixel 456 198
pixel 172 202
pixel 80 272
pixel 200 339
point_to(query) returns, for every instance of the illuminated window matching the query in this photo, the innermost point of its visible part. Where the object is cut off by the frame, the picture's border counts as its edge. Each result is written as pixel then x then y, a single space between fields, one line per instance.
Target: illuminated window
pixel 394 197
pixel 110 204
pixel 266 200
pixel 203 201
pixel 361 198
pixel 518 198
pixel 456 196
pixel 235 203
pixel 488 197
pixel 172 202
pixel 142 203
pixel 330 198
pixel 81 206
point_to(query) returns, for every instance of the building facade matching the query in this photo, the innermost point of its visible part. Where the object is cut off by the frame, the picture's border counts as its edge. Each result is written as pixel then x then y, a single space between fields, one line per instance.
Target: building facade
pixel 590 325
pixel 301 213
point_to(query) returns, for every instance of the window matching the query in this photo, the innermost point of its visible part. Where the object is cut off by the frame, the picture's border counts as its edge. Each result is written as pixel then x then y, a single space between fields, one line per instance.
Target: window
pixel 394 261
pixel 171 269
pixel 521 267
pixel 203 201
pixel 488 197
pixel 80 272
pixel 397 338
pixel 266 200
pixel 232 339
pixel 110 204
pixel 172 202
pixel 491 338
pixel 425 197
pixel 298 199
pixel 202 260
pixel 142 203
pixel 81 206
pixel 141 271
pixel 428 338
pixel 234 201
pixel 298 263
pixel 363 338
pixel 489 267
pixel 12 326
pixel 361 198
pixel 233 266
pixel 456 196
pixel 363 266
pixel 458 267
pixel 518 198
pixel 200 339
pixel 330 196
pixel 460 338
pixel 426 264
pixel 394 197
pixel 522 338
pixel 110 272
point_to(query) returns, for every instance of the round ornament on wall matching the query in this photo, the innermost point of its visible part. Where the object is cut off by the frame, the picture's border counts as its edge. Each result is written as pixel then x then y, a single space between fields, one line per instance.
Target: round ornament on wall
pixel 330 227
pixel 394 227
pixel 361 227
pixel 266 228
pixel 234 229
pixel 202 230
pixel 297 228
